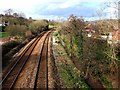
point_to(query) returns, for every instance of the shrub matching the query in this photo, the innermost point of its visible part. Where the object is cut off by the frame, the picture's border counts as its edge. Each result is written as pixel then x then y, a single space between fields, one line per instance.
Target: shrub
pixel 16 30
pixel 38 26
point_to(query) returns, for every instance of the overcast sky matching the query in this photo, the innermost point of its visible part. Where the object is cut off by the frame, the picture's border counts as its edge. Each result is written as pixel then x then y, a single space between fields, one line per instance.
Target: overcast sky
pixel 53 9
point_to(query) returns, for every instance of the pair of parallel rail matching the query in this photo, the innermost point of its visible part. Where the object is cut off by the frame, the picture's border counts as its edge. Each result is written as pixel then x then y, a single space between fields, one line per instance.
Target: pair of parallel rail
pixel 40 80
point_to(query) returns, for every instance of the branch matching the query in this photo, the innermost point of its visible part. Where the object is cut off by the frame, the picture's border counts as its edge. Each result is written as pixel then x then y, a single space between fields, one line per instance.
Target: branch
pixel 110 56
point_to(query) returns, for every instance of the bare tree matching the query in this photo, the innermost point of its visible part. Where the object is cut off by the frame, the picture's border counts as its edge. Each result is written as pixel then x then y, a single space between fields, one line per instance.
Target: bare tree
pixel 113 4
pixel 8 12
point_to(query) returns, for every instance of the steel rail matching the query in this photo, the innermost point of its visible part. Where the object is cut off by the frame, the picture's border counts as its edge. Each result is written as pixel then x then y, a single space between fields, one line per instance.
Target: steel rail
pixel 47 65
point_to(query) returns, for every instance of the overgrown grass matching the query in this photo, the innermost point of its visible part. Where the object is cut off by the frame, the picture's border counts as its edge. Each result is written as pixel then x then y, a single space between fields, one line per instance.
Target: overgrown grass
pixel 3 34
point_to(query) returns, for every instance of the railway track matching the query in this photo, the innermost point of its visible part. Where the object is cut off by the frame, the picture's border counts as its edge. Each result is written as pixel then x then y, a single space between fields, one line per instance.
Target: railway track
pixel 41 76
pixel 42 67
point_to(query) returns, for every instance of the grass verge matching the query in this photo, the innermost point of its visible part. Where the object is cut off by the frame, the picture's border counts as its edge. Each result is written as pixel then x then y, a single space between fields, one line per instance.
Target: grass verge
pixel 3 34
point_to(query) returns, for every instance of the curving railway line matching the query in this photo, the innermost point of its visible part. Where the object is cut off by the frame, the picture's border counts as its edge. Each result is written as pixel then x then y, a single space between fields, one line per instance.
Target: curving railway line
pixel 40 76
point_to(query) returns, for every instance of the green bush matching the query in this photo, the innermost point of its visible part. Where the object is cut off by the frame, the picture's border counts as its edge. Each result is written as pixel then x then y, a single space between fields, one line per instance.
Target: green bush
pixel 38 26
pixel 16 30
